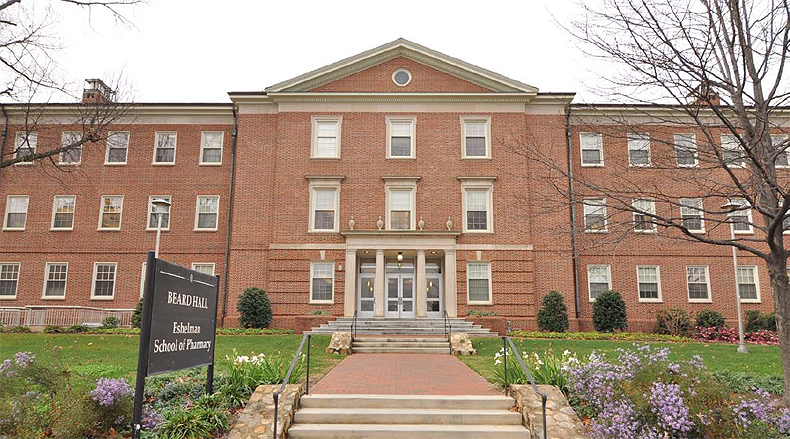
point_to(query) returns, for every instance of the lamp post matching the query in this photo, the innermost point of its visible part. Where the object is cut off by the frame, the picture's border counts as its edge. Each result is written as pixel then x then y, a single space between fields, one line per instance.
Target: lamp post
pixel 732 207
pixel 159 203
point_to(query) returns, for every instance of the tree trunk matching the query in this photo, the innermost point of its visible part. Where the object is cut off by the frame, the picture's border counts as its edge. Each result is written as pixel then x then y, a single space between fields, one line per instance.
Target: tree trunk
pixel 781 294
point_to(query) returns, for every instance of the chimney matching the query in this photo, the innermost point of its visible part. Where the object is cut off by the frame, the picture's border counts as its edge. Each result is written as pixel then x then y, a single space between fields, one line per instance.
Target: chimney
pixel 96 92
pixel 704 94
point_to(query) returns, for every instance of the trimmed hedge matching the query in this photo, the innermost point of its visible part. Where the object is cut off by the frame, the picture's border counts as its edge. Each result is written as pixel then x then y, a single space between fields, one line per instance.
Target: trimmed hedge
pixel 553 314
pixel 609 312
pixel 708 318
pixel 619 336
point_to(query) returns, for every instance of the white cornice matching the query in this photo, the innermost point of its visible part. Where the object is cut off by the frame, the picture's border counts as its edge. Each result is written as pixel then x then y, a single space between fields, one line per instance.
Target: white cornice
pixel 288 97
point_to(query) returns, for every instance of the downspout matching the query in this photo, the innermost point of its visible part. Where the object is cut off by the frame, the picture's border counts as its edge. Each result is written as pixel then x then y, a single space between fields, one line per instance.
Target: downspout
pixel 234 135
pixel 575 258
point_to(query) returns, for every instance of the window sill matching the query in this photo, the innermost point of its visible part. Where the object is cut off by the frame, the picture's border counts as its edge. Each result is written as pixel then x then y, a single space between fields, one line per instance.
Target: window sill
pixel 651 301
pixel 104 299
pixel 743 232
pixel 323 232
pixel 480 303
pixel 322 302
pixel 23 164
pixel 583 165
pixel 646 232
pixel 596 231
pixel 154 230
pixel 114 163
pixel 100 229
pixel 203 230
pixel 53 298
pixel 163 164
pixel 210 164
pixel 476 158
pixel 697 232
pixel 688 166
pixel 69 164
pixel 751 301
pixel 13 229
pixel 61 229
pixel 324 158
pixel 401 158
pixel 700 301
pixel 631 165
pixel 479 232
pixel 7 297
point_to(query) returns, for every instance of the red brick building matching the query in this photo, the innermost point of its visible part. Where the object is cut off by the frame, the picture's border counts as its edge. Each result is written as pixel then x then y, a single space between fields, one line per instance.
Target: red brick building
pixel 386 184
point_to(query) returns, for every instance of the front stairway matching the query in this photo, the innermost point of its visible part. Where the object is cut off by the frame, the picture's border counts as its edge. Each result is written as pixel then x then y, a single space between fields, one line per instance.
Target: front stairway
pixel 400 345
pixel 415 327
pixel 407 417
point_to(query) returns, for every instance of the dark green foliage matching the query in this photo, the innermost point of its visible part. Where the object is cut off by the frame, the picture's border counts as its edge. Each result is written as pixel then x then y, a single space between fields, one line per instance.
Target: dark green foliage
pixel 673 321
pixel 553 314
pixel 110 322
pixel 320 312
pixel 137 315
pixel 474 313
pixel 77 329
pixel 54 329
pixel 254 308
pixel 708 318
pixel 744 383
pixel 17 330
pixel 609 312
pixel 756 321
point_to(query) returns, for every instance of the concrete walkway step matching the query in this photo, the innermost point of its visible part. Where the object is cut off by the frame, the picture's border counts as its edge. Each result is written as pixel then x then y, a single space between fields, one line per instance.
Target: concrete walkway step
pixel 402 342
pixel 406 416
pixel 457 402
pixel 406 431
pixel 401 350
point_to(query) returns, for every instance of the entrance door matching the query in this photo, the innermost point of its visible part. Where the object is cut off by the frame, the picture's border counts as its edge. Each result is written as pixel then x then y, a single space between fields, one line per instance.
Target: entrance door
pixel 400 295
pixel 365 298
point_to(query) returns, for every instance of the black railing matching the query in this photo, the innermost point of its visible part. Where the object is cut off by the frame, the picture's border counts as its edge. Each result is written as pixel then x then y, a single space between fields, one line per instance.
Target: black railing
pixel 276 395
pixel 505 341
pixel 448 331
pixel 354 327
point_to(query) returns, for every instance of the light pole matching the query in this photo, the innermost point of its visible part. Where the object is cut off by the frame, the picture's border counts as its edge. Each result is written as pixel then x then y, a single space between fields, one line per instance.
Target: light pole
pixel 732 207
pixel 159 204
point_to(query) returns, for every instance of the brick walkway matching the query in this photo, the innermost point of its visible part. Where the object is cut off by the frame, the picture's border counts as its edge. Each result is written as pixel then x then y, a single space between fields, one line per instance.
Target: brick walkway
pixel 403 374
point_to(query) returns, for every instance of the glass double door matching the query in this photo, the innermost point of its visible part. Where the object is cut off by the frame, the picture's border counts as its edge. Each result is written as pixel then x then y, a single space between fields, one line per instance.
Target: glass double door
pixel 400 295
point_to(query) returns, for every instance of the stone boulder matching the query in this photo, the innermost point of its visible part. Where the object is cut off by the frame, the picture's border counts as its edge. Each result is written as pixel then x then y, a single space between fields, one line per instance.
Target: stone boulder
pixel 340 343
pixel 461 344
pixel 561 420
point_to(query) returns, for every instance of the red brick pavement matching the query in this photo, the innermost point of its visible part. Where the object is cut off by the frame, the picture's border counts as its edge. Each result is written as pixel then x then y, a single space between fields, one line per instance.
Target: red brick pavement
pixel 403 374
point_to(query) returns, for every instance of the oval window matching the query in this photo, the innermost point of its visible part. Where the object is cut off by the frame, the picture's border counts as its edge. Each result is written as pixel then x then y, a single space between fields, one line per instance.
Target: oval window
pixel 401 77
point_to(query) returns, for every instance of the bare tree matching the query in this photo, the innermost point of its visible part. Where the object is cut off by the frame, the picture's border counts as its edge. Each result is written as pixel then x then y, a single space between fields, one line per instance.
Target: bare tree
pixel 30 77
pixel 697 92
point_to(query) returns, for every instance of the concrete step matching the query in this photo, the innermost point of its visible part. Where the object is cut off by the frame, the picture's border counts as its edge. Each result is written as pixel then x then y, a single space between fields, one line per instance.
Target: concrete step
pixel 406 416
pixel 395 339
pixel 457 402
pixel 400 350
pixel 375 341
pixel 406 431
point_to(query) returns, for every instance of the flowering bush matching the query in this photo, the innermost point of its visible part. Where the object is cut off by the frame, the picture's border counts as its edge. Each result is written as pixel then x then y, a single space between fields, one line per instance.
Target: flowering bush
pixel 113 400
pixel 726 334
pixel 250 371
pixel 642 394
pixel 545 369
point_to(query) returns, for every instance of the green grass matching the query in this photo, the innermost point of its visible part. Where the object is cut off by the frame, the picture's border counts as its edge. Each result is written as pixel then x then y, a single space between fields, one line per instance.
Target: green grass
pixel 761 360
pixel 115 356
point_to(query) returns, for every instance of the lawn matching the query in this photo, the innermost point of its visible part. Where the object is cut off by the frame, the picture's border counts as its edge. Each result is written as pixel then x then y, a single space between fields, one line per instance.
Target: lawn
pixel 761 360
pixel 115 356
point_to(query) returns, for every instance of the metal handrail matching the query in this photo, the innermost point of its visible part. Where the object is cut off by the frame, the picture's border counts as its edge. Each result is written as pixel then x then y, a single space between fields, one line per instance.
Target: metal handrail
pixel 354 327
pixel 505 341
pixel 276 395
pixel 448 331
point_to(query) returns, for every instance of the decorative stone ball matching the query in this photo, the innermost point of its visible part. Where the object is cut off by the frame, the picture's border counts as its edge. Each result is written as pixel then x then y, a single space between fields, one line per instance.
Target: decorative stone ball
pixel 351 223
pixel 449 223
pixel 380 223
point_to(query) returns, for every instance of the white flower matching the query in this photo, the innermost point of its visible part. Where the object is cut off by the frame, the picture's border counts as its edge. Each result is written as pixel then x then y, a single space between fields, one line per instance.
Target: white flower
pixel 497 362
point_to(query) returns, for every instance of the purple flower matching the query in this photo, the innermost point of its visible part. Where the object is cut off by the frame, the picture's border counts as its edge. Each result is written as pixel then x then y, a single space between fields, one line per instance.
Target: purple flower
pixel 23 359
pixel 666 401
pixel 109 391
pixel 6 367
pixel 674 368
pixel 150 418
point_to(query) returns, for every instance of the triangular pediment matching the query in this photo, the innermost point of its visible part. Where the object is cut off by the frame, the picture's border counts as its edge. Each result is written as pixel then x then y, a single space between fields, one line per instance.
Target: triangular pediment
pixel 485 80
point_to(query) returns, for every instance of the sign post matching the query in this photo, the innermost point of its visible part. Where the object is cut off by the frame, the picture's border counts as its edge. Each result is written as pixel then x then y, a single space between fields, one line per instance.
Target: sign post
pixel 178 327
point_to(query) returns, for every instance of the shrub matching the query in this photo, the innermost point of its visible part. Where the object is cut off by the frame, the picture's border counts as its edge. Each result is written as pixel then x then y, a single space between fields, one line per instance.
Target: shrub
pixel 625 336
pixel 757 321
pixel 113 401
pixel 545 369
pixel 609 312
pixel 54 329
pixel 708 318
pixel 110 322
pixel 77 329
pixel 320 312
pixel 254 308
pixel 553 315
pixel 137 315
pixel 673 321
pixel 472 312
pixel 18 330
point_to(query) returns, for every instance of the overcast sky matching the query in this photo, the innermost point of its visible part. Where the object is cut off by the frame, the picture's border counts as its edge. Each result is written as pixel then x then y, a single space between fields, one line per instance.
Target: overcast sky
pixel 198 50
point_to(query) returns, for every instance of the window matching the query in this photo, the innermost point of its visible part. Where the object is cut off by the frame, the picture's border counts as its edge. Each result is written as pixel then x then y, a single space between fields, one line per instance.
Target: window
pixel 686 149
pixel 643 221
pixel 400 209
pixel 154 212
pixel 103 280
pixel 476 137
pixel 649 280
pixel 595 215
pixel 478 280
pixel 63 212
pixel 111 210
pixel 15 212
pixel 9 279
pixel 748 284
pixel 400 137
pixel 55 280
pixel 25 145
pixel 211 147
pixel 117 148
pixel 741 216
pixel 780 144
pixel 165 148
pixel 691 214
pixel 206 212
pixel 638 149
pixel 478 206
pixel 401 77
pixel 731 151
pixel 322 282
pixel 324 202
pixel 72 156
pixel 204 267
pixel 326 137
pixel 592 149
pixel 598 280
pixel 697 283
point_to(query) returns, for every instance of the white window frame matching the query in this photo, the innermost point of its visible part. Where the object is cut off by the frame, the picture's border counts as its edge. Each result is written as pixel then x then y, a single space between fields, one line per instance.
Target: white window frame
pixel 476 119
pixel 639 137
pixel 101 213
pixel 608 279
pixel 156 145
pixel 748 217
pixel 490 300
pixel 398 71
pixel 693 138
pixel 6 212
pixel 701 213
pixel 732 140
pixel 63 135
pixel 312 272
pixel 653 227
pixel 314 136
pixel 583 147
pixel 595 203
pixel 197 214
pixel 114 280
pixel 324 184
pixel 707 280
pixel 401 184
pixel 54 211
pixel 18 275
pixel 150 212
pixel 203 146
pixel 413 136
pixel 19 138
pixel 107 161
pixel 481 184
pixel 756 284
pixel 46 279
pixel 658 281
pixel 781 138
pixel 213 266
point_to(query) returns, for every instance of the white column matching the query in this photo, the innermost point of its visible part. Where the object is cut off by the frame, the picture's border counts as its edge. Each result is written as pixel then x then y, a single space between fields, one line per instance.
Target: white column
pixel 450 291
pixel 350 302
pixel 378 288
pixel 421 306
